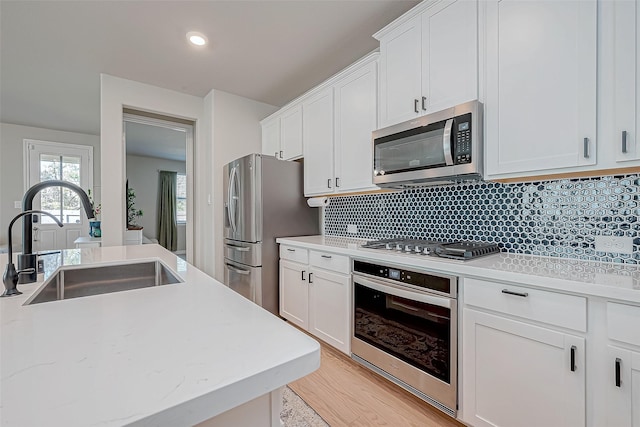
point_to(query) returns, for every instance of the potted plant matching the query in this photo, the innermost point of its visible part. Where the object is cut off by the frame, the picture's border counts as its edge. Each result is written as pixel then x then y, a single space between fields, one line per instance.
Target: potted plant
pixel 132 212
pixel 94 226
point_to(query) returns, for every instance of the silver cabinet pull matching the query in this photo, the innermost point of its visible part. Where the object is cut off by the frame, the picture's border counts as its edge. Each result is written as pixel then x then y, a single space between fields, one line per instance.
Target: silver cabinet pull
pixel 326 256
pixel 415 105
pixel 329 183
pixel 624 141
pixel 337 182
pixel 518 294
pixel 586 148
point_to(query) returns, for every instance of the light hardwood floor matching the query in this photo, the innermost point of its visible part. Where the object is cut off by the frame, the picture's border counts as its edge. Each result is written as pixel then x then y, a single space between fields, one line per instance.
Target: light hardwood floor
pixel 345 393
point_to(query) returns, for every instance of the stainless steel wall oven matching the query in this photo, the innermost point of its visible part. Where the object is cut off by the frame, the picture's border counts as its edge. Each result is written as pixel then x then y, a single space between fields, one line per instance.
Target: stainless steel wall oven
pixel 405 328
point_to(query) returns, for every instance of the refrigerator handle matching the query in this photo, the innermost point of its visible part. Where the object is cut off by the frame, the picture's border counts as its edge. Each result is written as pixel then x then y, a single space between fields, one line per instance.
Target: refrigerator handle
pixel 230 200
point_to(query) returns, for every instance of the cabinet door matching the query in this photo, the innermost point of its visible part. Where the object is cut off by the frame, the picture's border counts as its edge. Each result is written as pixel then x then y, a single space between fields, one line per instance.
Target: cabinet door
pixel 449 54
pixel 294 293
pixel 318 143
pixel 291 133
pixel 355 115
pixel 271 137
pixel 627 80
pixel 516 374
pixel 329 308
pixel 400 74
pixel 541 85
pixel 623 388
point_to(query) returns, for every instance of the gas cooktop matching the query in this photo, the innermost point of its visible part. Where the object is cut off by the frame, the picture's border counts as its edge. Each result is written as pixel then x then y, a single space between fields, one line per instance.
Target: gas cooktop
pixel 460 250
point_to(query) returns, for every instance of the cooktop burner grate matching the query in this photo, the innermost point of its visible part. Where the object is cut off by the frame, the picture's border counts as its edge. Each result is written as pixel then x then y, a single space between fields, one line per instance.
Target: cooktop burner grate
pixel 462 250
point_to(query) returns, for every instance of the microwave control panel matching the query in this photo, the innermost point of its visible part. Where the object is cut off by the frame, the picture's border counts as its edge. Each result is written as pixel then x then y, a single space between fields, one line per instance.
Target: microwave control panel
pixel 462 139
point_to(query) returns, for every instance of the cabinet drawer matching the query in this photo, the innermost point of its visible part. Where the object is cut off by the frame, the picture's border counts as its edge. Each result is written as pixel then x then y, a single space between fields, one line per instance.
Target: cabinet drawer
pixel 294 254
pixel 562 310
pixel 622 323
pixel 329 261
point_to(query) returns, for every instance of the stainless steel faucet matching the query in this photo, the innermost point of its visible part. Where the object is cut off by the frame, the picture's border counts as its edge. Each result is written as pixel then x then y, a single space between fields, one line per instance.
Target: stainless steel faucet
pixel 27 259
pixel 11 275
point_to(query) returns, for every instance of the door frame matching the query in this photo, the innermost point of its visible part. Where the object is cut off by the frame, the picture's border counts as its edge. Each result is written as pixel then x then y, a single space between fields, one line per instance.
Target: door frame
pixel 189 130
pixel 56 147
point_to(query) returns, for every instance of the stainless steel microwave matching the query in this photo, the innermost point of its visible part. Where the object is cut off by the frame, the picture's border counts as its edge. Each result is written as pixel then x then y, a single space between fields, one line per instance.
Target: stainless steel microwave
pixel 440 147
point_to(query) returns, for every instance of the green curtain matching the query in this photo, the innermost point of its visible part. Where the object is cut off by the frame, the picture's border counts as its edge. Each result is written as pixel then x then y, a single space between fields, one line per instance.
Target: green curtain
pixel 167 228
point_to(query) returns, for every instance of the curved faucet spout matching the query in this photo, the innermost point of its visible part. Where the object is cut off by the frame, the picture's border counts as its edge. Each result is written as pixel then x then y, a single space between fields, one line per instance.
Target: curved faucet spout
pixel 10 277
pixel 27 205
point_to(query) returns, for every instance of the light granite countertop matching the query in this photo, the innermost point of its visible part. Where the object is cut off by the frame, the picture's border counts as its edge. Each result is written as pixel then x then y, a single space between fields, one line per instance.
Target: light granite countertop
pixel 607 280
pixel 163 356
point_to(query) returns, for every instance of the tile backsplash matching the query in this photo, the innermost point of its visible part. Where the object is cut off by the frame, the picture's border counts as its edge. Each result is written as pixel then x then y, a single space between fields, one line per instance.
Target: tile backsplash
pixel 551 218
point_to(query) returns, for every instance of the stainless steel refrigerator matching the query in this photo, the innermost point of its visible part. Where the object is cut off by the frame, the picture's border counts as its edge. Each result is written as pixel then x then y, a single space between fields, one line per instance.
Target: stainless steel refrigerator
pixel 263 199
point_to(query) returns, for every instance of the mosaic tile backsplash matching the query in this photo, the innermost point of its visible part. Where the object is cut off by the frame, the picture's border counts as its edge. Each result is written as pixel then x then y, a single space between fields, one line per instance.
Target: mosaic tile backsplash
pixel 551 218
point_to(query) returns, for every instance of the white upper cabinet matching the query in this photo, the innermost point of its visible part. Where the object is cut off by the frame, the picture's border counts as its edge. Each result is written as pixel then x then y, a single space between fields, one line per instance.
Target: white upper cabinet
pixel 627 80
pixel 449 54
pixel 400 73
pixel 355 119
pixel 540 108
pixel 291 133
pixel 318 143
pixel 271 137
pixel 337 123
pixel 428 60
pixel 282 133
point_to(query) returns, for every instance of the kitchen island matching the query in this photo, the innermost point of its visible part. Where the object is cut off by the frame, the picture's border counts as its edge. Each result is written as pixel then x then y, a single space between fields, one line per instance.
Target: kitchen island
pixel 172 355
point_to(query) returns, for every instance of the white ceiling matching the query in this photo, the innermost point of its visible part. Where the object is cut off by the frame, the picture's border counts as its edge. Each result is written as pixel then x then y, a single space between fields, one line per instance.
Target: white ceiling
pixel 52 52
pixel 155 141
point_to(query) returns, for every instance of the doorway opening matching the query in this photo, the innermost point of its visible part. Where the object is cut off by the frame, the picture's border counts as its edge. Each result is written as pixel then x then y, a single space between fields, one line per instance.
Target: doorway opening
pixel 158 148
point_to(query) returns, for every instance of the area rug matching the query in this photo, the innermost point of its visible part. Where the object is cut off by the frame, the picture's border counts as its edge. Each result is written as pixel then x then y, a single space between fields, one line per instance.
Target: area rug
pixel 296 412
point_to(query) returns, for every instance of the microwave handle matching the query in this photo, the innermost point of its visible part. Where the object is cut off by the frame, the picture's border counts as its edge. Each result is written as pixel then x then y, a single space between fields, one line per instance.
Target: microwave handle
pixel 446 142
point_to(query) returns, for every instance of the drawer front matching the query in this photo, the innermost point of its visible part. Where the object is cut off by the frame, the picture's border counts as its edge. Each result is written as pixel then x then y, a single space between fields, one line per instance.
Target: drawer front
pixel 329 261
pixel 562 310
pixel 242 252
pixel 622 323
pixel 295 254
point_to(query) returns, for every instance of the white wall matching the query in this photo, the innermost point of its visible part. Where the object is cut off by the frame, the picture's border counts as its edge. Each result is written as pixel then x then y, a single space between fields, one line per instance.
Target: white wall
pixel 116 94
pixel 226 127
pixel 236 132
pixel 142 173
pixel 12 186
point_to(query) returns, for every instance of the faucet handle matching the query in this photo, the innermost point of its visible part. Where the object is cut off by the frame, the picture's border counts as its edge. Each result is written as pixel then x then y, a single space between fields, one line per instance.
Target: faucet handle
pixel 27 271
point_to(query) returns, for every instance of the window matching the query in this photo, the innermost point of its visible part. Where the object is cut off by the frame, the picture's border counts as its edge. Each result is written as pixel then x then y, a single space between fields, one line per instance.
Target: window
pixel 181 198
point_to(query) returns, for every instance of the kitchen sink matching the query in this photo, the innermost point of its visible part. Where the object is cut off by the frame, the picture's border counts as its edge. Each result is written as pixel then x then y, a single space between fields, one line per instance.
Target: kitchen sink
pixel 75 282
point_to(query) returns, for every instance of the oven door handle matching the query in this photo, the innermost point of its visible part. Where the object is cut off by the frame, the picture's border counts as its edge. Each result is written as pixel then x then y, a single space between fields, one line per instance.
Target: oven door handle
pixel 403 293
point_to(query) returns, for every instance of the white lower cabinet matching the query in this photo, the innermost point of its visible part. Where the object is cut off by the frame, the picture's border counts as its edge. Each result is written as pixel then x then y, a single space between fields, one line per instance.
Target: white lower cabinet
pixel 294 293
pixel 517 374
pixel 329 307
pixel 623 387
pixel 622 365
pixel 316 296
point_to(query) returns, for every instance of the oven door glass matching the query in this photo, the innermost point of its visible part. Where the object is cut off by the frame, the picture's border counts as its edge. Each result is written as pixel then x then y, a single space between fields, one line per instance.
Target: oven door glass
pixel 415 332
pixel 413 149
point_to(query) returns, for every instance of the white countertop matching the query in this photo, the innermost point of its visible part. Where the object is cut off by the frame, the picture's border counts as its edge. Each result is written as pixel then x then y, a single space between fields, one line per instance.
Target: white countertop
pixel 163 356
pixel 607 280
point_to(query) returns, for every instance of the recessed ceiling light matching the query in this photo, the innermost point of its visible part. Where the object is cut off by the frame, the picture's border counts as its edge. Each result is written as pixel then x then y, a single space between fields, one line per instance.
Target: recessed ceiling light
pixel 196 38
